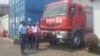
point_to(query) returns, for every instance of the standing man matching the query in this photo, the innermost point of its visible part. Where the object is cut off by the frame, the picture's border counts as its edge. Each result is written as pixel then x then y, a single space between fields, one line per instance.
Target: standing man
pixel 37 33
pixel 23 38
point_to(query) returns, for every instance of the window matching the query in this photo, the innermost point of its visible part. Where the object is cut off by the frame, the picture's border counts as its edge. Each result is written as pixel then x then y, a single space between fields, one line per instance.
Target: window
pixel 55 10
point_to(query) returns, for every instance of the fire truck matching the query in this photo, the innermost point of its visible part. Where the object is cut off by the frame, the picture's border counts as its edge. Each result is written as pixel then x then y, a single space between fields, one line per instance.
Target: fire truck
pixel 66 21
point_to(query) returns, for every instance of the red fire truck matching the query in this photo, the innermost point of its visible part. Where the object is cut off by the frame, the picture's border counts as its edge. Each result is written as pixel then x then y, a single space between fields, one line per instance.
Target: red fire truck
pixel 66 21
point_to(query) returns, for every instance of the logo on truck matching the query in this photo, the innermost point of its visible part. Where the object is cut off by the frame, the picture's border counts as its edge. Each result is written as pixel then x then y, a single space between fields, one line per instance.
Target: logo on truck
pixel 58 20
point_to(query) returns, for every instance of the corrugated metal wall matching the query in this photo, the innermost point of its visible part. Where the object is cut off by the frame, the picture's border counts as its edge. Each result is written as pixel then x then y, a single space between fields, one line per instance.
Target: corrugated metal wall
pixel 16 14
pixel 23 10
pixel 38 4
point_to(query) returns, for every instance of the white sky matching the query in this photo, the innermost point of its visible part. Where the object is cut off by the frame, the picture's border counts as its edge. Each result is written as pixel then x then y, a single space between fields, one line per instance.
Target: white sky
pixel 4 1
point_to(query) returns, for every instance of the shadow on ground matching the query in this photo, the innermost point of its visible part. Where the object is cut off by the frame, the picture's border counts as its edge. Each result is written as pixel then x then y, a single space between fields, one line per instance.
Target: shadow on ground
pixel 95 50
pixel 63 47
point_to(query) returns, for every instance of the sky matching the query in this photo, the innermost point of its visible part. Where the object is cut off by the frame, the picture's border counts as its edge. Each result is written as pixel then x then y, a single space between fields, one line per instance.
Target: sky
pixel 4 1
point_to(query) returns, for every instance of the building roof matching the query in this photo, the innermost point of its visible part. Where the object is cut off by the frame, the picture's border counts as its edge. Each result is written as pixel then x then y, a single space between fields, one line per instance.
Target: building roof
pixel 3 9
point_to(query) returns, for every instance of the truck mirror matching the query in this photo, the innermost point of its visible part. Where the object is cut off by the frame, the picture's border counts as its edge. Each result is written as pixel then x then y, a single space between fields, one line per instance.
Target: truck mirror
pixel 72 11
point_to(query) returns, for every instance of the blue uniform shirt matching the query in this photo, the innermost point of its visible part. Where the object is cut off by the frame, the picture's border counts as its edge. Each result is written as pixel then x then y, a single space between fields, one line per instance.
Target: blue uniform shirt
pixel 22 29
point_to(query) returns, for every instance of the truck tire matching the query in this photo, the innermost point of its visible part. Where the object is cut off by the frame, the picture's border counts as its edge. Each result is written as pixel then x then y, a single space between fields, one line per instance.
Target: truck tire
pixel 76 41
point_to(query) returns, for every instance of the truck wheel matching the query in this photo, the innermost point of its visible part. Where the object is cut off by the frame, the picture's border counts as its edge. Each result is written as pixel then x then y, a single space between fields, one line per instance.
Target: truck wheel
pixel 76 41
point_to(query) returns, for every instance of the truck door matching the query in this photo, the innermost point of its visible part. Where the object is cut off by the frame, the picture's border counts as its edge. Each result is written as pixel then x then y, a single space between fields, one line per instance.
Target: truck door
pixel 81 16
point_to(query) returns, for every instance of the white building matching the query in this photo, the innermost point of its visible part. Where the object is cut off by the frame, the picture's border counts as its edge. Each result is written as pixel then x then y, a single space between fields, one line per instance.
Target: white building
pixel 97 18
pixel 4 23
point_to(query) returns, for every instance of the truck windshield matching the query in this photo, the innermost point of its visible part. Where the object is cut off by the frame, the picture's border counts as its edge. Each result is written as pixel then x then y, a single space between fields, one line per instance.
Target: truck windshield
pixel 55 10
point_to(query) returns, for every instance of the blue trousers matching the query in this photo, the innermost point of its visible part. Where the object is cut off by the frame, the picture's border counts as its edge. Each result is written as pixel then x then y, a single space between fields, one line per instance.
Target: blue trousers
pixel 23 43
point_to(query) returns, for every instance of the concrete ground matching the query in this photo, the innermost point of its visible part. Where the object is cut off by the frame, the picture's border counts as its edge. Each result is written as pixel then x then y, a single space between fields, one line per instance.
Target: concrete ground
pixel 7 48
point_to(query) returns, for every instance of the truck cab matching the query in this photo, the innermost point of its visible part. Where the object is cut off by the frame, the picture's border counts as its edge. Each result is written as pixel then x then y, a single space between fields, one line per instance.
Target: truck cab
pixel 64 21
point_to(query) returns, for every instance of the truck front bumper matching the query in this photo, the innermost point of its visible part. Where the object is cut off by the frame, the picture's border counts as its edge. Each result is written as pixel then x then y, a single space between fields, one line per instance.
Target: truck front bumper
pixel 57 34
